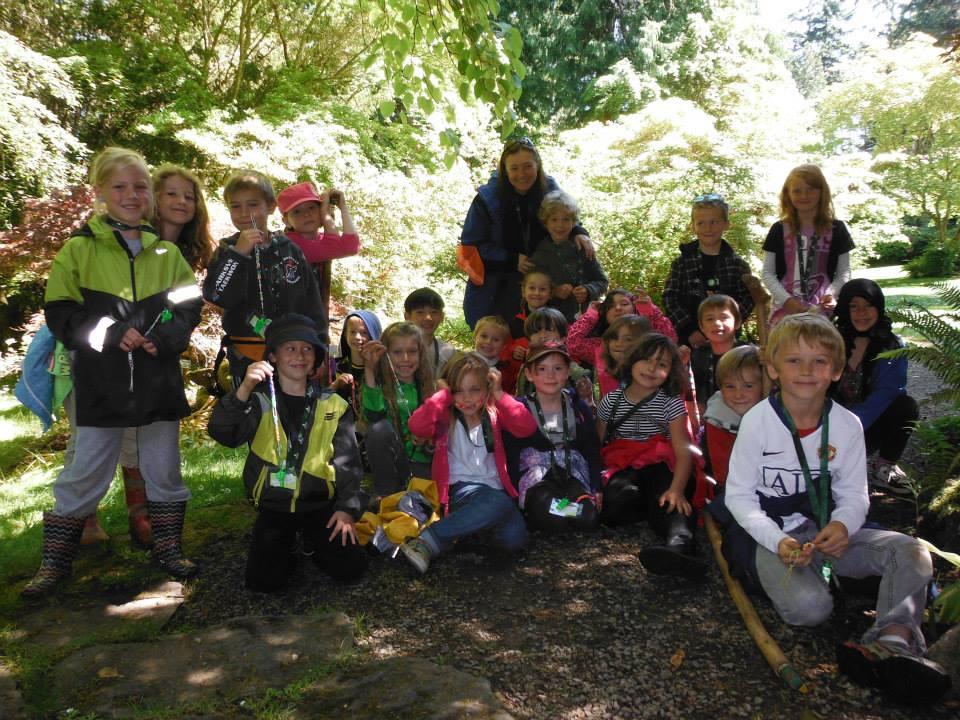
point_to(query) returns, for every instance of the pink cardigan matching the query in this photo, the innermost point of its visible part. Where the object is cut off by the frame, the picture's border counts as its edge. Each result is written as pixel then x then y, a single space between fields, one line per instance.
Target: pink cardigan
pixel 432 421
pixel 326 246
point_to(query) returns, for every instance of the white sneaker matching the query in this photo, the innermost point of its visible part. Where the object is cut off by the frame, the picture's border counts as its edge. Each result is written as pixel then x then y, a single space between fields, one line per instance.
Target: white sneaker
pixel 418 553
pixel 889 477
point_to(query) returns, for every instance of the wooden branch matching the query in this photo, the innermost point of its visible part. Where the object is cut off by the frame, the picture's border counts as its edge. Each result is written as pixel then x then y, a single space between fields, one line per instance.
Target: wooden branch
pixel 766 644
pixel 761 304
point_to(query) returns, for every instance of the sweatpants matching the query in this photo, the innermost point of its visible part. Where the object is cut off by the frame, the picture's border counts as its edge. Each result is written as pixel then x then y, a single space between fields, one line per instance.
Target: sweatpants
pixel 83 482
pixel 273 553
pixel 128 445
pixel 889 433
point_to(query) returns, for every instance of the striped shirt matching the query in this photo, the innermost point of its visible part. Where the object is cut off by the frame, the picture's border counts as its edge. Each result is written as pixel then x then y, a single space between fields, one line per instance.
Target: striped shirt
pixel 652 418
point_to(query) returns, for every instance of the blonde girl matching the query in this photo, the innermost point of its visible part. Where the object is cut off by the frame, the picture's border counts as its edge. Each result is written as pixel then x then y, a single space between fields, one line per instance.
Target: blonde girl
pixel 396 382
pixel 807 251
pixel 465 420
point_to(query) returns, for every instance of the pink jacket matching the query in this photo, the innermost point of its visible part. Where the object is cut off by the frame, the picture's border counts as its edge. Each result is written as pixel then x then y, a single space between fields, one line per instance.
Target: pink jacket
pixel 326 246
pixel 432 421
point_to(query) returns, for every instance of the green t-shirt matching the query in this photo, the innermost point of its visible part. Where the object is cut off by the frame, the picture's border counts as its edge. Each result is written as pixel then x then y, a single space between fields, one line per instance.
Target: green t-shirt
pixel 375 408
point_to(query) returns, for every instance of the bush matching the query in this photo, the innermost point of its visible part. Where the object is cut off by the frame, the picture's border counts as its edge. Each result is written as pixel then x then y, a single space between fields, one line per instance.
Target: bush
pixel 892 252
pixel 934 262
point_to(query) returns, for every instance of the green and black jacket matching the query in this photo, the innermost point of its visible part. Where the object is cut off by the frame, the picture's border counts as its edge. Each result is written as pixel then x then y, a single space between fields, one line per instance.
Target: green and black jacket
pixel 96 291
pixel 330 468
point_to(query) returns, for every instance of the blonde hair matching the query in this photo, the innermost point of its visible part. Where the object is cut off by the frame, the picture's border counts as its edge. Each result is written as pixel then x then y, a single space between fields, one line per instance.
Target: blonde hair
pixel 813 329
pixel 249 180
pixel 812 176
pixel 194 240
pixel 494 320
pixel 558 200
pixel 387 379
pixel 735 361
pixel 108 161
pixel 463 364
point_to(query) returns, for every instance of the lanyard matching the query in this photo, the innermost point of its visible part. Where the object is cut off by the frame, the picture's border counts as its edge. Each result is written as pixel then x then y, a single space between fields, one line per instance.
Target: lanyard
pixel 297 438
pixel 817 490
pixel 566 436
pixel 806 262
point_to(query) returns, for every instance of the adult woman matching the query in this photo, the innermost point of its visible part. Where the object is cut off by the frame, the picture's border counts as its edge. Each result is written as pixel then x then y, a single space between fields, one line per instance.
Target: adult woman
pixel 501 231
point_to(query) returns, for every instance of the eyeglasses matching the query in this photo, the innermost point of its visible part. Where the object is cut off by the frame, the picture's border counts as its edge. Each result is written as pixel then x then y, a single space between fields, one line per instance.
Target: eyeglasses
pixel 709 197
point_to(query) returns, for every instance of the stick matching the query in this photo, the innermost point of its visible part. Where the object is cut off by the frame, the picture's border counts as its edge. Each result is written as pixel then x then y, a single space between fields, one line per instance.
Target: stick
pixel 761 303
pixel 766 644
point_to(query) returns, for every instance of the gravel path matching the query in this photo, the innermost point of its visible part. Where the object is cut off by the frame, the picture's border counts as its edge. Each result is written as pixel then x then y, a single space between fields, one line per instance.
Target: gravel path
pixel 577 629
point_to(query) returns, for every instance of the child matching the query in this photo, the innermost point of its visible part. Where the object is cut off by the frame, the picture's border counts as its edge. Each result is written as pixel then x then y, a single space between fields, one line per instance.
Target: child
pixel 798 493
pixel 396 380
pixel 872 389
pixel 424 308
pixel 359 328
pixel 491 340
pixel 257 275
pixel 465 419
pixel 535 290
pixel 558 466
pixel 719 319
pixel 740 381
pixel 309 223
pixel 181 214
pixel 643 425
pixel 585 339
pixel 545 325
pixel 807 252
pixel 616 341
pixel 576 279
pixel 303 476
pixel 124 303
pixel 706 266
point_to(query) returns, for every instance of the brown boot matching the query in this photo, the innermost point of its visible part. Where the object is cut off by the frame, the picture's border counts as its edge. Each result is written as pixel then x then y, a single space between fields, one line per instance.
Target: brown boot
pixel 135 490
pixel 93 533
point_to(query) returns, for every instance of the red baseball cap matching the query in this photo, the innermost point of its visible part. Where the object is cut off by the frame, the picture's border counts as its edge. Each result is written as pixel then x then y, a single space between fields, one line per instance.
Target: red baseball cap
pixel 295 195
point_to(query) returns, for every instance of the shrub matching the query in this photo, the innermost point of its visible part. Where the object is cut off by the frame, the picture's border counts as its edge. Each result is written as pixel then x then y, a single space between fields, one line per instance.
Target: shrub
pixel 892 252
pixel 934 262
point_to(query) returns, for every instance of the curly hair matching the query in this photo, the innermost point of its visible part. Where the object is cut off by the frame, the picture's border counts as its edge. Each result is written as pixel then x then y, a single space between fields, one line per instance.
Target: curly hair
pixel 652 345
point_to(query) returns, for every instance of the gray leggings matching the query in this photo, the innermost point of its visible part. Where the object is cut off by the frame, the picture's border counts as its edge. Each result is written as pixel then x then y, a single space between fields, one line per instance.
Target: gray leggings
pixel 801 597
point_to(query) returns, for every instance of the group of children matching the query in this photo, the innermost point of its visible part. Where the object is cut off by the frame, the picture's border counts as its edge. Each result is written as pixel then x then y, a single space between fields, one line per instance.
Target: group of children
pixel 514 432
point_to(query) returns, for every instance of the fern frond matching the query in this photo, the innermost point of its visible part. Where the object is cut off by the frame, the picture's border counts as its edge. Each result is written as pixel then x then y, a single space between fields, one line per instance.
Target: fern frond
pixel 949 293
pixel 933 328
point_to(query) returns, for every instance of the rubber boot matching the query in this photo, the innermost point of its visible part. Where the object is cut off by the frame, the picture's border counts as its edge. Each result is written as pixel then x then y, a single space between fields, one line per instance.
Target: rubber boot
pixel 167 522
pixel 93 533
pixel 61 540
pixel 136 494
pixel 677 556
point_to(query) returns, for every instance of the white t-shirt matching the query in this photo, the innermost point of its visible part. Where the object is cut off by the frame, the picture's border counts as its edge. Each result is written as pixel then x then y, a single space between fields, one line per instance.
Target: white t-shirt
pixel 469 460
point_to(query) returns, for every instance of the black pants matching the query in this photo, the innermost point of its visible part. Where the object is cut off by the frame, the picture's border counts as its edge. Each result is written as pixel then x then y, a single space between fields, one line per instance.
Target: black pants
pixel 274 553
pixel 890 432
pixel 634 494
pixel 559 485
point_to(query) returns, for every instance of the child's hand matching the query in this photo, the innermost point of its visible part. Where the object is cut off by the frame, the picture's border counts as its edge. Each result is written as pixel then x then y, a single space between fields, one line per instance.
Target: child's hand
pixel 697 339
pixel 596 305
pixel 149 347
pixel 520 352
pixel 342 525
pixel 581 294
pixel 131 340
pixel 523 264
pixel 342 380
pixel 372 351
pixel 585 390
pixel 442 384
pixel 828 302
pixel 675 501
pixel 793 306
pixel 562 292
pixel 792 554
pixel 640 296
pixel 833 539
pixel 495 383
pixel 683 352
pixel 256 373
pixel 249 239
pixel 585 244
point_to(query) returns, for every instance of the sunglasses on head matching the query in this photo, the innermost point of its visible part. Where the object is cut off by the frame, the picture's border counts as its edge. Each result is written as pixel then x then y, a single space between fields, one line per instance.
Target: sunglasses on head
pixel 521 142
pixel 709 197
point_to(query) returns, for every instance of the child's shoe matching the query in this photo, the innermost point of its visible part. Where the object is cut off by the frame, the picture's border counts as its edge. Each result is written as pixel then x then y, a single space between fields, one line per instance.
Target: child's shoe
pixel 677 555
pixel 888 476
pixel 906 677
pixel 418 553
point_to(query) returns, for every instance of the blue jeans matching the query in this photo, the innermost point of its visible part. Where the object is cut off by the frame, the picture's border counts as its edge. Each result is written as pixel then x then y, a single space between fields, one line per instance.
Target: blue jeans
pixel 473 508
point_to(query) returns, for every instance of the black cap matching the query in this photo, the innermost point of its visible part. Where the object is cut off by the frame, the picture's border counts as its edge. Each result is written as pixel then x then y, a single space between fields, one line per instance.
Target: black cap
pixel 294 326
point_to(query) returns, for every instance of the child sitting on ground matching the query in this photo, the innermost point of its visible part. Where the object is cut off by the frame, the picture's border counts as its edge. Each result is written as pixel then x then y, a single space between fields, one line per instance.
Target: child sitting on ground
pixel 257 275
pixel 706 266
pixel 875 390
pixel 396 381
pixel 465 420
pixel 576 279
pixel 643 425
pixel 616 341
pixel 547 325
pixel 719 319
pixel 797 491
pixel 424 308
pixel 740 382
pixel 302 475
pixel 559 466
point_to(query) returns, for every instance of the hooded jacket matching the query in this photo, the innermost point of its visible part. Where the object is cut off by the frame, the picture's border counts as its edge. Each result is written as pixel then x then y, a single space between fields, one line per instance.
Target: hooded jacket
pixel 96 291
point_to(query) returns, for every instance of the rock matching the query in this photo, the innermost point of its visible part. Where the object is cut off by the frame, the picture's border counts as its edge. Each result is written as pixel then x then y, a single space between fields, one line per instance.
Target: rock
pixel 946 651
pixel 11 701
pixel 402 687
pixel 242 657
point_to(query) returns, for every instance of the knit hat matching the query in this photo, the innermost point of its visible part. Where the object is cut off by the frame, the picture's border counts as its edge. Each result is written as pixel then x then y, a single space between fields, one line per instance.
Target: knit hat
pixel 295 195
pixel 290 327
pixel 541 350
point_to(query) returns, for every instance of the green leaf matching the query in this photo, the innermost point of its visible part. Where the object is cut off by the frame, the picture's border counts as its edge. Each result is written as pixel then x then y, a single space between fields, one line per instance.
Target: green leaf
pixel 387 108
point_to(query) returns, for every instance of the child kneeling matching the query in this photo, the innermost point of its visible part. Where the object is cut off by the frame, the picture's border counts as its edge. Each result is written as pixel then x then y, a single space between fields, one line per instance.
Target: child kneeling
pixel 465 420
pixel 797 489
pixel 303 471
